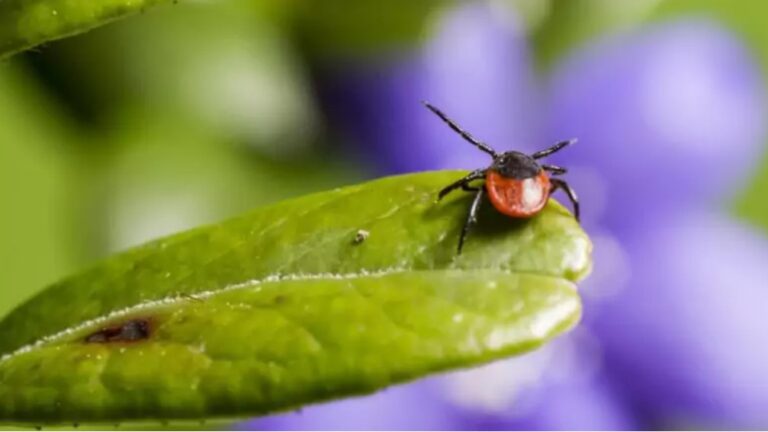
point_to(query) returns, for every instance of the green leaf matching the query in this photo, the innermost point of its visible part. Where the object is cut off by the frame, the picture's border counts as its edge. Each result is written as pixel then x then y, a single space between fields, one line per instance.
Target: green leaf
pixel 28 23
pixel 290 305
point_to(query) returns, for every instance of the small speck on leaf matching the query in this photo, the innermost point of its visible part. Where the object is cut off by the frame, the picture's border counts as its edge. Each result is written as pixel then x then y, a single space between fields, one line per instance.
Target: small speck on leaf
pixel 361 236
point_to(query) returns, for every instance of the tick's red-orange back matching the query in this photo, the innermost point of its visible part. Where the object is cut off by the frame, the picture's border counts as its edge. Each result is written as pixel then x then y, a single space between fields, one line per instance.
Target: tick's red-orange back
pixel 518 198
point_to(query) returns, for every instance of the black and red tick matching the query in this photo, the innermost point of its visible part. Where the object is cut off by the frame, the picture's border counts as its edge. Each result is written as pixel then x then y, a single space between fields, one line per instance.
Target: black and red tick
pixel 516 184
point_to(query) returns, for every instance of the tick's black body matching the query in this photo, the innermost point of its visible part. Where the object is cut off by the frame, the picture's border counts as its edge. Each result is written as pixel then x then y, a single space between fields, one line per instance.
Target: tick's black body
pixel 517 184
pixel 516 165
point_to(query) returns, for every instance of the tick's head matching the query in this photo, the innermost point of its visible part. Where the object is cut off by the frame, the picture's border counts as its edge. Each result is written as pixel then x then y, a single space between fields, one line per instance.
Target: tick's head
pixel 516 165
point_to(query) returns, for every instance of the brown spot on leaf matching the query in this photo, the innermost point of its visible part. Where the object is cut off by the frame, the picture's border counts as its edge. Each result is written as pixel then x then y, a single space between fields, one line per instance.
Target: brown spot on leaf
pixel 280 299
pixel 128 331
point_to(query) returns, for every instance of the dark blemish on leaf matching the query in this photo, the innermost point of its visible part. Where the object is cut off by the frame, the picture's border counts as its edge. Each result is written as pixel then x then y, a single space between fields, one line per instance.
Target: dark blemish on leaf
pixel 360 236
pixel 129 331
pixel 280 299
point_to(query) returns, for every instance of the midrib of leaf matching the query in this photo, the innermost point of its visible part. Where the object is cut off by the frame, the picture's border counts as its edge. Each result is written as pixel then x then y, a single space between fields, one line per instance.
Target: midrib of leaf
pixel 148 306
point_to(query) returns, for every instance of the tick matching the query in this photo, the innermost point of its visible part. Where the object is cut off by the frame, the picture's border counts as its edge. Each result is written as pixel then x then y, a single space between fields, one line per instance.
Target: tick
pixel 516 183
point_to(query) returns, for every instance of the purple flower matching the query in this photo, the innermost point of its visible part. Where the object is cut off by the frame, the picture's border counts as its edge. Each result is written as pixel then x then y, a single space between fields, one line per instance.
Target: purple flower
pixel 476 69
pixel 397 408
pixel 560 386
pixel 670 118
pixel 686 339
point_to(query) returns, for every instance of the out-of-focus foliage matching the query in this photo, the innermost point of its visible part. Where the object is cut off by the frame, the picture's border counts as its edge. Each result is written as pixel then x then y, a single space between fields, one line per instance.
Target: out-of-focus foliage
pixel 324 28
pixel 227 67
pixel 28 23
pixel 39 180
pixel 572 23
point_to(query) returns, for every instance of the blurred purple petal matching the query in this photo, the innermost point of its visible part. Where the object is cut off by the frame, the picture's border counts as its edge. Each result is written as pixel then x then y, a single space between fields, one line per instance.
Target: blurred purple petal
pixel 476 68
pixel 687 337
pixel 559 386
pixel 674 114
pixel 579 405
pixel 406 407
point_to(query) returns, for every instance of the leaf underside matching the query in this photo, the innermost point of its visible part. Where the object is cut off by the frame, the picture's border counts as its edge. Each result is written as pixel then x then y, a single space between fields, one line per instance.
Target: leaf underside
pixel 289 305
pixel 27 23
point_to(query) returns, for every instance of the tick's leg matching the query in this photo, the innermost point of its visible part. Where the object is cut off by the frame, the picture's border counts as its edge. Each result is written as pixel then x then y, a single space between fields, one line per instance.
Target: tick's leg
pixel 464 134
pixel 558 183
pixel 461 183
pixel 554 169
pixel 555 148
pixel 471 217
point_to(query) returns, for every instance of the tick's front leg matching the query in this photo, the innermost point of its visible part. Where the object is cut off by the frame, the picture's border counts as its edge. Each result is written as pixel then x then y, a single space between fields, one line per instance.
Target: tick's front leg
pixel 471 216
pixel 462 183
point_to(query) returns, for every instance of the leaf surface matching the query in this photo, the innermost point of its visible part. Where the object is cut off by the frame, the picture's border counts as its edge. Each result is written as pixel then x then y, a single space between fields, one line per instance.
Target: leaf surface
pixel 289 305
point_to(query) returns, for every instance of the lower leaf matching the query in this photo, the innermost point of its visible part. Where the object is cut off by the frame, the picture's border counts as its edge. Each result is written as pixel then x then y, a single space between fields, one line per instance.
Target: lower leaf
pixel 273 345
